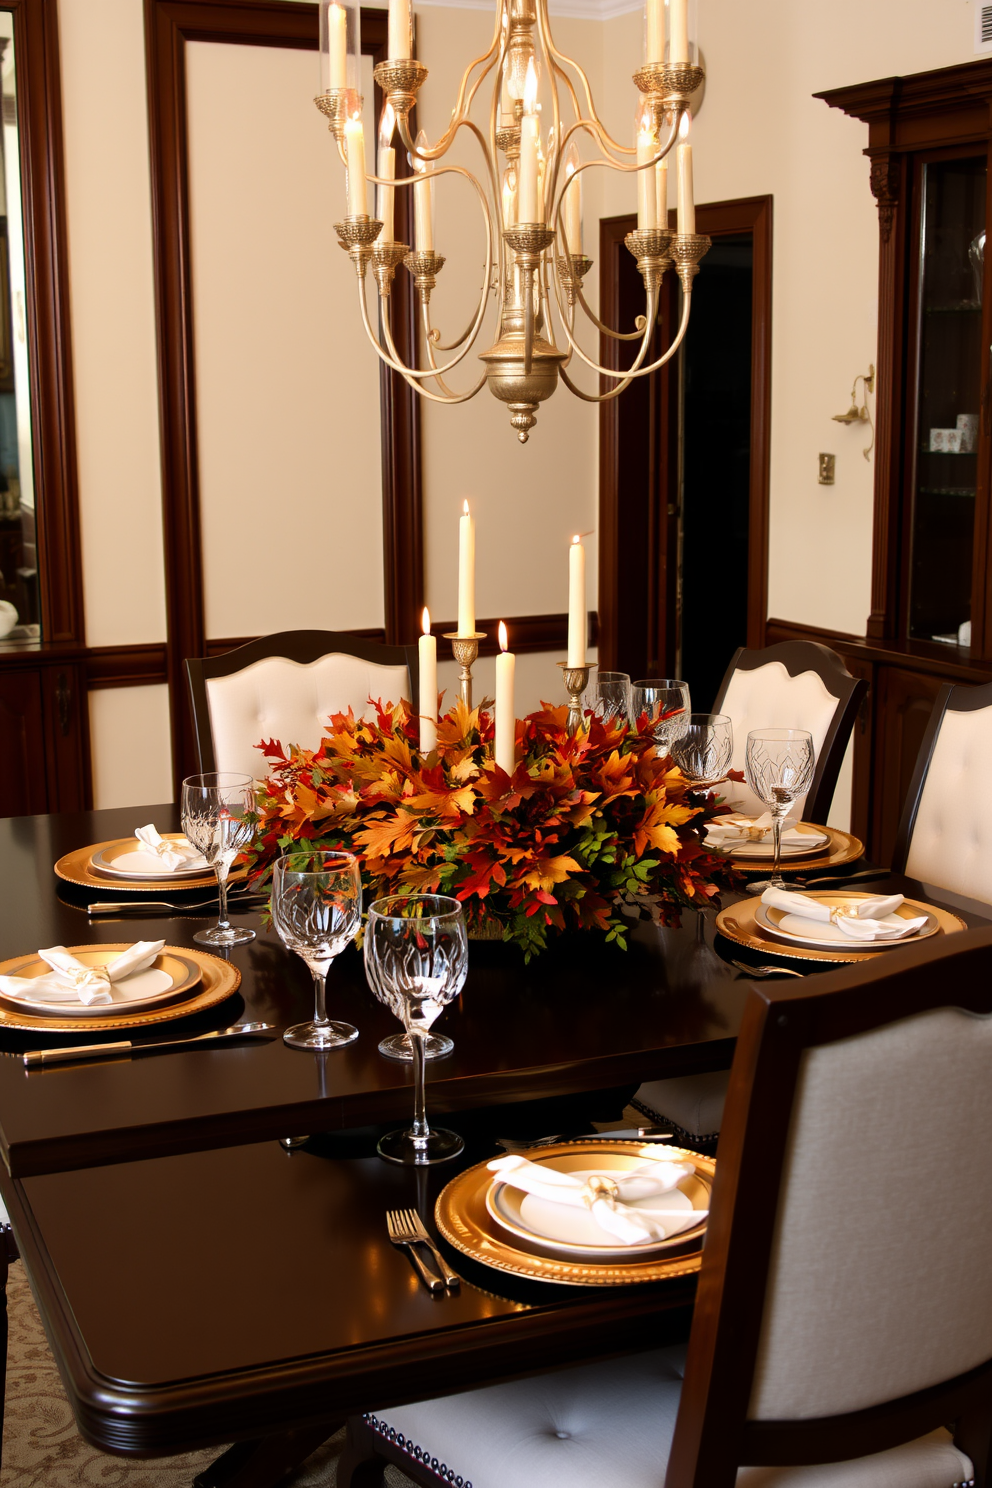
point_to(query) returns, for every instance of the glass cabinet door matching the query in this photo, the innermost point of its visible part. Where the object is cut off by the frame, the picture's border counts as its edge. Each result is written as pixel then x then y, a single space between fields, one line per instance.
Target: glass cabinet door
pixel 942 515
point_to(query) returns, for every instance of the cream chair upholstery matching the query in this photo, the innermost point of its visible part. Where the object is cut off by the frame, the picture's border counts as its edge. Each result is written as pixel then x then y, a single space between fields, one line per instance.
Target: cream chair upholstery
pixel 797 684
pixel 945 837
pixel 285 687
pixel 843 1245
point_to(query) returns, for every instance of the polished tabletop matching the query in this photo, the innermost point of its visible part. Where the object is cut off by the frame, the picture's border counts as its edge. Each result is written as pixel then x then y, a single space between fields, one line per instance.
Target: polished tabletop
pixel 583 1016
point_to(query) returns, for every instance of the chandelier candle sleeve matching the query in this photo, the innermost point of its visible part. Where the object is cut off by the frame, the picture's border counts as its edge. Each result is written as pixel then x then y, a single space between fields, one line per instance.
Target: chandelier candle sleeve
pixel 647 189
pixel 423 216
pixel 427 648
pixel 466 573
pixel 661 182
pixel 333 47
pixel 686 207
pixel 504 747
pixel 400 37
pixel 654 40
pixel 387 170
pixel 528 205
pixel 678 38
pixel 577 601
pixel 572 208
pixel 354 136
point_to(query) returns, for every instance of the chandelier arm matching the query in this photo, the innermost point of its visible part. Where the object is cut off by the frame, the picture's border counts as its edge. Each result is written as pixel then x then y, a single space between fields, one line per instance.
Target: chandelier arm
pixel 396 365
pixel 577 289
pixel 631 373
pixel 561 60
pixel 633 369
pixel 430 355
pixel 459 114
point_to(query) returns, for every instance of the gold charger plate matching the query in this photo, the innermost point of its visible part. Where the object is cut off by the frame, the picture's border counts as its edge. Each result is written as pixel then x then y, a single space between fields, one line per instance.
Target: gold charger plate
pixel 739 922
pixel 183 970
pixel 218 980
pixel 75 868
pixel 465 1222
pixel 840 848
pixel 768 917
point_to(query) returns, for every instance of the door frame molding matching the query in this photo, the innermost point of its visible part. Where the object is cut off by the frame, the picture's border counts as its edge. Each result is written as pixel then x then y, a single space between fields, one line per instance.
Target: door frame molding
pixel 169 25
pixel 718 219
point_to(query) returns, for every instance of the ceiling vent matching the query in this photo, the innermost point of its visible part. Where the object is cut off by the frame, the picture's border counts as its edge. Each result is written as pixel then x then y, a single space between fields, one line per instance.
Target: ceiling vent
pixel 983 28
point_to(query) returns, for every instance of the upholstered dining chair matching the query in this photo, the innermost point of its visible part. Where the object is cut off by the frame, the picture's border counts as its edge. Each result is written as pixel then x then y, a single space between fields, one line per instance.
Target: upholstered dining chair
pixel 284 687
pixel 945 836
pixel 794 684
pixel 834 1337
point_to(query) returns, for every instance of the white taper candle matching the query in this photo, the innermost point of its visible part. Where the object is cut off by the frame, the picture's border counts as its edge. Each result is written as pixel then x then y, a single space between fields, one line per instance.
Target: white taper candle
pixel 647 190
pixel 354 138
pixel 466 573
pixel 504 747
pixel 686 205
pixel 400 32
pixel 427 706
pixel 577 600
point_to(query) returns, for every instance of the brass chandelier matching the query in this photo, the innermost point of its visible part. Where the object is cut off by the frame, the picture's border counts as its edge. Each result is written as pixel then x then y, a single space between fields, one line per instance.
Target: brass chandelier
pixel 531 207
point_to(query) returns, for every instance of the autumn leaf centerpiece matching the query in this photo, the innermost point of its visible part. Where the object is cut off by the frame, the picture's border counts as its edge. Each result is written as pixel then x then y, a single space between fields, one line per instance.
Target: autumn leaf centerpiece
pixel 589 830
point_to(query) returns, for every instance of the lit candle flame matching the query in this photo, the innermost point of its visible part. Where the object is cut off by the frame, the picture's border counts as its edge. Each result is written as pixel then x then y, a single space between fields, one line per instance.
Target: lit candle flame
pixel 465 507
pixel 503 642
pixel 426 621
pixel 530 88
pixel 684 123
pixel 576 538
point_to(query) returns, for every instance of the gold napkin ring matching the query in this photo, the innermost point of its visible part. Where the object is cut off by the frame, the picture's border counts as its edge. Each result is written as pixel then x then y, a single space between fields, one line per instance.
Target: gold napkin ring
pixel 599 1187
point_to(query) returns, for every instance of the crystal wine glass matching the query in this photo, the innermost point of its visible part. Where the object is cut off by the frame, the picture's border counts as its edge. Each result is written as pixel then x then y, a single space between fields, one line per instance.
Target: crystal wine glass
pixel 778 766
pixel 216 817
pixel 704 751
pixel 416 960
pixel 665 700
pixel 317 909
pixel 609 696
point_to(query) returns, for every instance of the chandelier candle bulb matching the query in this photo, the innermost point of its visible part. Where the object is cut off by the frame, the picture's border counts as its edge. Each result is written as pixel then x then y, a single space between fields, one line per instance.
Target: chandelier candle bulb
pixel 427 649
pixel 647 190
pixel 466 573
pixel 678 32
pixel 577 602
pixel 400 37
pixel 686 204
pixel 504 746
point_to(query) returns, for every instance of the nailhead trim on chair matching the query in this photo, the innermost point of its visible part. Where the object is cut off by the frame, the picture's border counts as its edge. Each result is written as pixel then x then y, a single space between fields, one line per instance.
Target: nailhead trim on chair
pixel 703 1144
pixel 396 1438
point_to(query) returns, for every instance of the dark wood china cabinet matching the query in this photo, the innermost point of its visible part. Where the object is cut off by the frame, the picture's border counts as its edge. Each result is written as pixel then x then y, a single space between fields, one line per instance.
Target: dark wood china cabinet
pixel 929 144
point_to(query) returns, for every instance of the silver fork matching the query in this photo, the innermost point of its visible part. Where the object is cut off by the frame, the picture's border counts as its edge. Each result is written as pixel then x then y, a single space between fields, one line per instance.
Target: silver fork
pixel 416 1224
pixel 400 1235
pixel 766 971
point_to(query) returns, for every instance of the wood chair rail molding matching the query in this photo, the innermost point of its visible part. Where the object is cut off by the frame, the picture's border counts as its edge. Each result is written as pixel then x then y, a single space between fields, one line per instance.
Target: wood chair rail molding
pixel 905 116
pixel 169 25
pixel 638 470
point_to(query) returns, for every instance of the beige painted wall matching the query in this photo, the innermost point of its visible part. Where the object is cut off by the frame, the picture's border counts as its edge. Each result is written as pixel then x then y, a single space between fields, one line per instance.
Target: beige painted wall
pixel 528 501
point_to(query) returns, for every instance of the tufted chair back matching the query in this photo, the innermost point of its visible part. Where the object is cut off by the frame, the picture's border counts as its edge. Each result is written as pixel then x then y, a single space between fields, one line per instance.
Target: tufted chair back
pixel 285 687
pixel 796 684
pixel 945 836
pixel 857 1116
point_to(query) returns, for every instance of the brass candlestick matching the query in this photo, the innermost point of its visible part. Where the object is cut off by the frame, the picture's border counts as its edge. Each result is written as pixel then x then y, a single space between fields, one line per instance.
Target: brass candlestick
pixel 466 649
pixel 576 681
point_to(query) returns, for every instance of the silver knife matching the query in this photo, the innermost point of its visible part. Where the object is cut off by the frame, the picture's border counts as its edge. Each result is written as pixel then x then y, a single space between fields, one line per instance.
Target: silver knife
pixel 35 1058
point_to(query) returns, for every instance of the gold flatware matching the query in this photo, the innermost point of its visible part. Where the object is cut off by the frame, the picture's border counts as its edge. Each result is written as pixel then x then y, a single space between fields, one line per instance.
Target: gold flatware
pixel 36 1058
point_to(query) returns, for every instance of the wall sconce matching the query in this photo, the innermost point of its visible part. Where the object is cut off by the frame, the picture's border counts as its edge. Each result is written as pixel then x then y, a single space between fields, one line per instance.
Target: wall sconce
pixel 859 413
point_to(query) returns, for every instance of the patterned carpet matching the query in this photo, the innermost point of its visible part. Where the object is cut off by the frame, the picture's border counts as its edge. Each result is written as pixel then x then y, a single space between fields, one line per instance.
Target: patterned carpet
pixel 42 1448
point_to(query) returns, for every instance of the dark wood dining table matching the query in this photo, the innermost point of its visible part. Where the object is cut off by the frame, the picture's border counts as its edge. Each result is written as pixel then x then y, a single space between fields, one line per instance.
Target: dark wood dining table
pixel 201 1285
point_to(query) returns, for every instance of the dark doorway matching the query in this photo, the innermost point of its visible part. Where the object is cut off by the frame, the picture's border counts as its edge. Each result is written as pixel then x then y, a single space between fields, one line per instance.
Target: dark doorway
pixel 716 470
pixel 684 458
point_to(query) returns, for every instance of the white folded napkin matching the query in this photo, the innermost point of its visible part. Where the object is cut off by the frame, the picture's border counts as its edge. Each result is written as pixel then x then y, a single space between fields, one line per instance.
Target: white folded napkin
pixel 861 921
pixel 608 1197
pixel 174 854
pixel 735 831
pixel 70 978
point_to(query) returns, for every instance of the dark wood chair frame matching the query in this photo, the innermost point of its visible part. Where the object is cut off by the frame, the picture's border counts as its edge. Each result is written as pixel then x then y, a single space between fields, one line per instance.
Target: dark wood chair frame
pixel 950 699
pixel 713 1436
pixel 810 656
pixel 304 646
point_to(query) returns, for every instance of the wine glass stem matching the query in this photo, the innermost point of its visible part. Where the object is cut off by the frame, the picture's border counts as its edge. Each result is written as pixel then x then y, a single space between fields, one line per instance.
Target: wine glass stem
pixel 420 1131
pixel 319 997
pixel 222 868
pixel 778 817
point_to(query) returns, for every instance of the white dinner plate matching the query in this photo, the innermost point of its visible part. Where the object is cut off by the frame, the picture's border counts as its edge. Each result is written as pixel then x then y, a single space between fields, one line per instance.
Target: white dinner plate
pixel 564 1230
pixel 130 859
pixel 813 841
pixel 169 978
pixel 799 930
